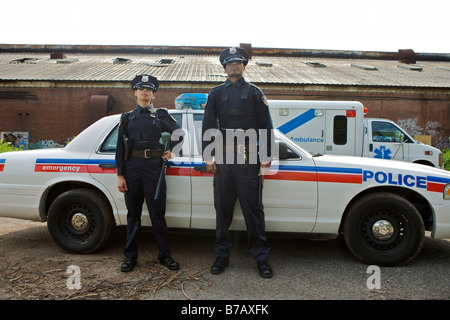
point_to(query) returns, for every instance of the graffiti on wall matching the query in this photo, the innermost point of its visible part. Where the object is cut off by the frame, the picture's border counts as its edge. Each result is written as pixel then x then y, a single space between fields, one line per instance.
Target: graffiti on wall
pixel 17 139
pixel 45 144
pixel 432 128
pixel 21 140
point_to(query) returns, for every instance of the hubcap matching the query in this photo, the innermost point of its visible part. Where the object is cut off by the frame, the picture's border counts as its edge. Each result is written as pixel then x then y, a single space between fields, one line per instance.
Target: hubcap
pixel 79 221
pixel 382 230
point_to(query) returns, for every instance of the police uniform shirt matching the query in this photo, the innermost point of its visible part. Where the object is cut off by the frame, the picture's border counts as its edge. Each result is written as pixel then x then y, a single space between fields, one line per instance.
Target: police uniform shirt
pixel 165 121
pixel 257 117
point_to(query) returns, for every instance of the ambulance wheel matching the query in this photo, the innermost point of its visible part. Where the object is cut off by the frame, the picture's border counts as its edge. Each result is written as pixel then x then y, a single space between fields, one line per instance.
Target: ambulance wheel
pixel 80 221
pixel 384 229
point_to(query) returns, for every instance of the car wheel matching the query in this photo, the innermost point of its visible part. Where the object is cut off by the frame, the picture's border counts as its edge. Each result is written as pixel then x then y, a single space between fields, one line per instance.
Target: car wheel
pixel 384 229
pixel 80 221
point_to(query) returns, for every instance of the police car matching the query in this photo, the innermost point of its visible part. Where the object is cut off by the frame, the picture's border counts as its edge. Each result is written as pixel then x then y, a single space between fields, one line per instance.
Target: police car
pixel 382 208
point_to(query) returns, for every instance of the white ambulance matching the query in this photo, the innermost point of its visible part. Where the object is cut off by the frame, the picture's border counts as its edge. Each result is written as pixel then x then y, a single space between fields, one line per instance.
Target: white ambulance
pixel 339 127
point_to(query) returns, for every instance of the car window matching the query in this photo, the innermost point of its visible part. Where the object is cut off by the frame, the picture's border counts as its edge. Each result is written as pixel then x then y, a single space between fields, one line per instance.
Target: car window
pixel 177 117
pixel 289 154
pixel 110 143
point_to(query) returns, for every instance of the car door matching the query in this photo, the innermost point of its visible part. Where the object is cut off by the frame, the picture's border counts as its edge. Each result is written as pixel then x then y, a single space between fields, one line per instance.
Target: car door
pixel 387 141
pixel 102 167
pixel 290 195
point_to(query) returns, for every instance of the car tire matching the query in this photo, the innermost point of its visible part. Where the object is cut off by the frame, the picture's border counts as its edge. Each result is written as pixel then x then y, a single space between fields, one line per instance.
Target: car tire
pixel 80 221
pixel 384 229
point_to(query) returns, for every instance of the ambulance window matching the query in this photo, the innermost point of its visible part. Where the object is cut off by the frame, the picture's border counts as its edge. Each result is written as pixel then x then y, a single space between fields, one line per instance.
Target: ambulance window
pixel 340 130
pixel 385 132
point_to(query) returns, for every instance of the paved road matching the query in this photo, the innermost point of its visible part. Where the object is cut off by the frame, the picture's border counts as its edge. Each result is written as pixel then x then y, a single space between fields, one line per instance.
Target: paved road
pixel 303 270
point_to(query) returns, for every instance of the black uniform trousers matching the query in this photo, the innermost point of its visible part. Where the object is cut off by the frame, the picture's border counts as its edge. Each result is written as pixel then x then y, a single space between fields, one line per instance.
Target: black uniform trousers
pixel 142 177
pixel 232 181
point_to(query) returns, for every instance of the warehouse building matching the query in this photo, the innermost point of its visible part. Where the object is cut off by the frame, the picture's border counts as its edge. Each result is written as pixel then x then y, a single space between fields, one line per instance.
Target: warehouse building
pixel 51 93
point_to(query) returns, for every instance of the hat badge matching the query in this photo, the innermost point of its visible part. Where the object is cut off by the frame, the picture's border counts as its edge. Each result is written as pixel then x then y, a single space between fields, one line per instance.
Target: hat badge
pixel 233 50
pixel 144 79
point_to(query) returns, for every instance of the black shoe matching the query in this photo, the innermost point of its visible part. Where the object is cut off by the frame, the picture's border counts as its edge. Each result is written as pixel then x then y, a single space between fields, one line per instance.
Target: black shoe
pixel 219 265
pixel 128 265
pixel 264 269
pixel 169 263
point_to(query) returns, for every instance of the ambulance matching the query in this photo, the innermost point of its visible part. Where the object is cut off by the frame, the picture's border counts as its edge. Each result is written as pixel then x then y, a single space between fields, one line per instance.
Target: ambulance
pixel 340 128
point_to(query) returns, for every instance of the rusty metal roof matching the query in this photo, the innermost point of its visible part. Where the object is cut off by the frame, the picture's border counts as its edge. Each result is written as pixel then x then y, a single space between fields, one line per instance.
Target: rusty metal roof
pixel 262 69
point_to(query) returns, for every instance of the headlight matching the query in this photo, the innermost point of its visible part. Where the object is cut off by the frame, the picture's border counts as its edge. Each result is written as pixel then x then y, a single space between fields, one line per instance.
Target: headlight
pixel 447 192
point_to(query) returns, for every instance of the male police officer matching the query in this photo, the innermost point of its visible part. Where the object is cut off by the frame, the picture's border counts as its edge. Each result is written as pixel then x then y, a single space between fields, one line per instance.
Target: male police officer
pixel 139 159
pixel 234 106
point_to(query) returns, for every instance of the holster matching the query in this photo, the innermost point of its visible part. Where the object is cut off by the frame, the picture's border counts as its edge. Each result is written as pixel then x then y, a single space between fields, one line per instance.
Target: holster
pixel 128 144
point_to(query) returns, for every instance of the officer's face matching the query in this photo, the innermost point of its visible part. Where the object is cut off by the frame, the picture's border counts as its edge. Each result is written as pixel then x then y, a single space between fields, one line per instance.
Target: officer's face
pixel 235 69
pixel 144 94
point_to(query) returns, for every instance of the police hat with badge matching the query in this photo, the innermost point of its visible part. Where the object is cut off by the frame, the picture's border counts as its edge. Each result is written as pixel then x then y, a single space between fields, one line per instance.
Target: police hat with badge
pixel 145 81
pixel 233 54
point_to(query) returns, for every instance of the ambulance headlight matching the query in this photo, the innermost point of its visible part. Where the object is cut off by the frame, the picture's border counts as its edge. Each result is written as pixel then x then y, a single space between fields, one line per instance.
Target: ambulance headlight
pixel 447 192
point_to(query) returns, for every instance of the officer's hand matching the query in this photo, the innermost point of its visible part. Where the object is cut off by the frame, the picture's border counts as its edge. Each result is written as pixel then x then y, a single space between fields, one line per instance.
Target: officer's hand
pixel 122 184
pixel 168 155
pixel 211 167
pixel 264 169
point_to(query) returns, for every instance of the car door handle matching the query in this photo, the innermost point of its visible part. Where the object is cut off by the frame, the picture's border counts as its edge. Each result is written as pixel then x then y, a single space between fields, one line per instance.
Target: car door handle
pixel 370 147
pixel 107 165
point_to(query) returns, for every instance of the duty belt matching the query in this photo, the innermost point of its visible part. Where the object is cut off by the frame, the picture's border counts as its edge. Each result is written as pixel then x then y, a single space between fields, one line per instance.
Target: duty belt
pixel 243 150
pixel 147 153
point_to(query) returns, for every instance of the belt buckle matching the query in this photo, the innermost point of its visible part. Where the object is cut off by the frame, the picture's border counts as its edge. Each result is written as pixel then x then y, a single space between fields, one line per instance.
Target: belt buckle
pixel 241 149
pixel 147 156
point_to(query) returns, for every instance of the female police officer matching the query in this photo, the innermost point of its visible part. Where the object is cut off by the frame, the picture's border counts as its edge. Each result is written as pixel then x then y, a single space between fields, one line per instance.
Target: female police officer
pixel 139 159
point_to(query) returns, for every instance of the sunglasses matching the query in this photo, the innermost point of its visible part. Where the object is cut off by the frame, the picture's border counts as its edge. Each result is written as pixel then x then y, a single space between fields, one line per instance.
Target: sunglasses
pixel 145 88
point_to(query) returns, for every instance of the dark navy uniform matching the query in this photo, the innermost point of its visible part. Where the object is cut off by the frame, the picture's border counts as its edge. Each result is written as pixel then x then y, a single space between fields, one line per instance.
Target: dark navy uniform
pixel 238 105
pixel 140 164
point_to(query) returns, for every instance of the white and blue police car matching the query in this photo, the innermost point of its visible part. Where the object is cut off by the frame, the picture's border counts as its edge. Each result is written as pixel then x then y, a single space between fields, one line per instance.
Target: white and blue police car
pixel 382 208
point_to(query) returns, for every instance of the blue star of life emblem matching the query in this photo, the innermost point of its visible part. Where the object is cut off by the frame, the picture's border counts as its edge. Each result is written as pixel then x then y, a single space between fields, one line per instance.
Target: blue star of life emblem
pixel 382 153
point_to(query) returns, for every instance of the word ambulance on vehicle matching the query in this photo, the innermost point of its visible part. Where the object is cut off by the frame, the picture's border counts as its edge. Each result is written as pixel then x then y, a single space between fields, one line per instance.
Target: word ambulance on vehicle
pixel 339 127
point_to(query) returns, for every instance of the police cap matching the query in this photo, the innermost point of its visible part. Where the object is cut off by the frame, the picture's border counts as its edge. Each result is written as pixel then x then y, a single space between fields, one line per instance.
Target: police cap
pixel 145 81
pixel 233 54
